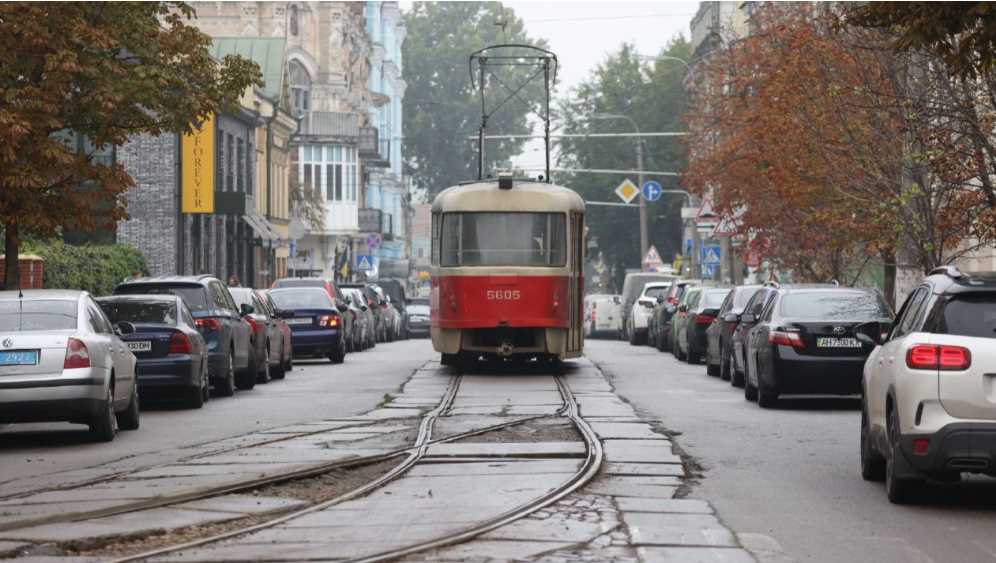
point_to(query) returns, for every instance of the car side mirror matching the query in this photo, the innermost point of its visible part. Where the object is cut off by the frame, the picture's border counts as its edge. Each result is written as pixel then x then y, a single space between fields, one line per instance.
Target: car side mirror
pixel 872 333
pixel 660 299
pixel 682 308
pixel 124 328
pixel 748 318
pixel 246 309
pixel 342 307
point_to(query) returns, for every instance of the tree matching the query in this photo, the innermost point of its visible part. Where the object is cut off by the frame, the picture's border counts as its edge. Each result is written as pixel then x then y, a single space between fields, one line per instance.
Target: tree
pixel 102 72
pixel 441 106
pixel 653 96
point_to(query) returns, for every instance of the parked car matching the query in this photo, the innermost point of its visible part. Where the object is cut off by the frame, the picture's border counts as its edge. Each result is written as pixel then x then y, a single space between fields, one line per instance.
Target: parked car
pixel 315 322
pixel 335 292
pixel 928 409
pixel 375 302
pixel 267 340
pixel 369 325
pixel 632 289
pixel 642 308
pixel 602 315
pixel 689 298
pixel 171 355
pixel 804 342
pixel 394 319
pixel 749 317
pixel 719 335
pixel 217 318
pixel 699 315
pixel 395 290
pixel 357 334
pixel 278 317
pixel 418 318
pixel 664 311
pixel 61 359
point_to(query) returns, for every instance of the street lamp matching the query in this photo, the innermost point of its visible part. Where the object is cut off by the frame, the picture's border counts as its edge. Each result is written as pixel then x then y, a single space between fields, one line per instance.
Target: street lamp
pixel 639 167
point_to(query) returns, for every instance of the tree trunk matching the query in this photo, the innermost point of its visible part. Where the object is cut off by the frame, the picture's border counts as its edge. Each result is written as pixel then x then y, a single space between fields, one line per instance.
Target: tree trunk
pixel 889 286
pixel 12 243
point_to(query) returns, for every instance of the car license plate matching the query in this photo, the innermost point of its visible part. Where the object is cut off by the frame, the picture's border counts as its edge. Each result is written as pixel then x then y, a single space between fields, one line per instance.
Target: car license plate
pixel 300 321
pixel 828 342
pixel 140 346
pixel 19 358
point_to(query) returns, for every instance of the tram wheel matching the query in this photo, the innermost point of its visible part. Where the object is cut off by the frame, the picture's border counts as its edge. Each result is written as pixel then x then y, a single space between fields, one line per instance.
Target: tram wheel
pixel 449 359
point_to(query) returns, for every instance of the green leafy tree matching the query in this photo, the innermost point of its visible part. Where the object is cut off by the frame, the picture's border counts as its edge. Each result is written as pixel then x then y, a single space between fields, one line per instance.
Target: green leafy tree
pixel 651 93
pixel 102 71
pixel 441 105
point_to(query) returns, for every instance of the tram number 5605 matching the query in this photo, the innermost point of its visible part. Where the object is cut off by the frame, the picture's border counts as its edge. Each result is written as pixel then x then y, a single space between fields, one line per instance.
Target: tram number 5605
pixel 503 295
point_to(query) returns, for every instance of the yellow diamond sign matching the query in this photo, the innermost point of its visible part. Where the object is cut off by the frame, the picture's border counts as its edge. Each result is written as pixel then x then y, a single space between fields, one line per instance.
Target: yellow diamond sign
pixel 627 190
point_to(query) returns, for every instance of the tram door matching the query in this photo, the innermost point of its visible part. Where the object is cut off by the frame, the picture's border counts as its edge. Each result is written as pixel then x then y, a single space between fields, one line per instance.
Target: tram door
pixel 575 334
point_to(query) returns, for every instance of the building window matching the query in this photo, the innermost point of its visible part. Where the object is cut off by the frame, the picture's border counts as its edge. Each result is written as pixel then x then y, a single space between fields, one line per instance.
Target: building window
pixel 240 181
pixel 293 21
pixel 332 168
pixel 300 88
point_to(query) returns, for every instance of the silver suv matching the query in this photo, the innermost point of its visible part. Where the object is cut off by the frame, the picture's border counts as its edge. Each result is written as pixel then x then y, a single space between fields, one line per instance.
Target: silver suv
pixel 929 402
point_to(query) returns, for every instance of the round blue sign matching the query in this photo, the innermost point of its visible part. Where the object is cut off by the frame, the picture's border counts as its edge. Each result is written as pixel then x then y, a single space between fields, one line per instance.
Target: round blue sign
pixel 652 190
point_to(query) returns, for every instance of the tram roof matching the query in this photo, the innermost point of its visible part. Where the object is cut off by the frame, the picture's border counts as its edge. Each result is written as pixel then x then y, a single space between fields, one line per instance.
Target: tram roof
pixel 525 195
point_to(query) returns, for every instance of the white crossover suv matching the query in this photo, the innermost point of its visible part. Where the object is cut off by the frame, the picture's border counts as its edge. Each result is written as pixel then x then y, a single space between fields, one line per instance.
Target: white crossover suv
pixel 929 402
pixel 642 309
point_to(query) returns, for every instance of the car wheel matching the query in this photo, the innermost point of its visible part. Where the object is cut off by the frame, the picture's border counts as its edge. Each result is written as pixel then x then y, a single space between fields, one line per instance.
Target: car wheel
pixel 750 392
pixel 872 464
pixel 632 338
pixel 724 367
pixel 263 376
pixel 897 487
pixel 712 369
pixel 281 370
pixel 205 381
pixel 448 359
pixel 246 380
pixel 338 355
pixel 736 378
pixel 767 399
pixel 226 386
pixel 130 418
pixel 104 425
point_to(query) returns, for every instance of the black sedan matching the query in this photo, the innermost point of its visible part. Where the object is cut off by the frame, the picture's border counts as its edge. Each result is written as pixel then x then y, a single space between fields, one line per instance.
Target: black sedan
pixel 805 343
pixel 170 353
pixel 700 315
pixel 315 322
pixel 738 340
pixel 719 335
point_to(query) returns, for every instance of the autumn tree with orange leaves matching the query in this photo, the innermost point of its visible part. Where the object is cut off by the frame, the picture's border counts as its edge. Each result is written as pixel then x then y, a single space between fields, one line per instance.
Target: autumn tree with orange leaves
pixel 831 148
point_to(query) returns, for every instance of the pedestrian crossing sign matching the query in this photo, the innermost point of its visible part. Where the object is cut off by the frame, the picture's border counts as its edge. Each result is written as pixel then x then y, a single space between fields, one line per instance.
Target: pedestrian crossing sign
pixel 652 261
pixel 364 262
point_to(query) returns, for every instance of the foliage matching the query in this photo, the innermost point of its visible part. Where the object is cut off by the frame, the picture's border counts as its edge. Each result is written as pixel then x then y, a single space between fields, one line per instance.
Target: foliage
pixel 963 34
pixel 101 71
pixel 441 106
pixel 652 95
pixel 94 268
pixel 306 202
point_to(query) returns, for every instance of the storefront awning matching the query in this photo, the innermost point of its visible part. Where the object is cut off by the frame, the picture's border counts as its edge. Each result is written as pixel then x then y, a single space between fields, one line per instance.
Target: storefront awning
pixel 260 226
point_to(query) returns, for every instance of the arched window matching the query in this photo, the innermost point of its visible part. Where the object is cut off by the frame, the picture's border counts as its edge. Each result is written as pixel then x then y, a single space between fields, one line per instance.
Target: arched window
pixel 300 88
pixel 293 20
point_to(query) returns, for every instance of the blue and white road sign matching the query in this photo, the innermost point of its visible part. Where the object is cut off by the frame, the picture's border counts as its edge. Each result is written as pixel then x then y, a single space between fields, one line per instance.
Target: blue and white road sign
pixel 364 262
pixel 710 254
pixel 651 190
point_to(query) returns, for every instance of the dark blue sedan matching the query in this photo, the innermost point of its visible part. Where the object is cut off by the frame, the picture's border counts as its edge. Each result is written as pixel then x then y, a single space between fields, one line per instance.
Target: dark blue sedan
pixel 315 322
pixel 171 356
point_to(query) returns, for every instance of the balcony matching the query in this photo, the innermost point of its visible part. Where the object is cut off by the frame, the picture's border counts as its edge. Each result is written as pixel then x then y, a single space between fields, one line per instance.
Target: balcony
pixel 370 220
pixel 371 148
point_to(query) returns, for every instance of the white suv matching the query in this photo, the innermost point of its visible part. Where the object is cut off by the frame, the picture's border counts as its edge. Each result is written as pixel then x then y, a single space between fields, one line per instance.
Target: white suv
pixel 643 309
pixel 929 402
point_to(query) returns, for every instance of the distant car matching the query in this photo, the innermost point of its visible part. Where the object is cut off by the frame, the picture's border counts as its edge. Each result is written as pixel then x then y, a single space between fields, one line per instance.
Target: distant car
pixel 335 292
pixel 218 319
pixel 315 322
pixel 267 339
pixel 804 342
pixel 277 315
pixel 375 303
pixel 929 402
pixel 369 324
pixel 738 340
pixel 641 310
pixel 395 289
pixel 61 359
pixel 719 335
pixel 700 315
pixel 171 355
pixel 418 318
pixel 602 315
pixel 632 289
pixel 665 309
pixel 689 298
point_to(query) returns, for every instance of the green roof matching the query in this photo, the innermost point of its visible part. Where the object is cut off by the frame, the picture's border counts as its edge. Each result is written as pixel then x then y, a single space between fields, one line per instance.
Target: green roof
pixel 267 52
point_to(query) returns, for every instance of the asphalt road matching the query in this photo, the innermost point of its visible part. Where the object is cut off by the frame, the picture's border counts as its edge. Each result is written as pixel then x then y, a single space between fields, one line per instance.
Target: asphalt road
pixel 45 454
pixel 787 480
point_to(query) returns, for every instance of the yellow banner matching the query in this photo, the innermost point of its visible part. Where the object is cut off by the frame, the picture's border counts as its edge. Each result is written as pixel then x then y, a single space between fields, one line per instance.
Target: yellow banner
pixel 198 169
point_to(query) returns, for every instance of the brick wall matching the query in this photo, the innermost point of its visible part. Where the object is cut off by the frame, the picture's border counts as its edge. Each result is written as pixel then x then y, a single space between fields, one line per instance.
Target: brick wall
pixel 152 229
pixel 31 268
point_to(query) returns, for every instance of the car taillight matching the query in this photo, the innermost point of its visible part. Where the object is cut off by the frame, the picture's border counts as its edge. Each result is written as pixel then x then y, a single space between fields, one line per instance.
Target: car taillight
pixel 785 338
pixel 77 356
pixel 209 324
pixel 252 324
pixel 704 319
pixel 940 357
pixel 330 321
pixel 671 300
pixel 179 344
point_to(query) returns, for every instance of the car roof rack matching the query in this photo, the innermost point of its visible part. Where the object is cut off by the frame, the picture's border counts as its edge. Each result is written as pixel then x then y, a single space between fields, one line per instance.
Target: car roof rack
pixel 948 270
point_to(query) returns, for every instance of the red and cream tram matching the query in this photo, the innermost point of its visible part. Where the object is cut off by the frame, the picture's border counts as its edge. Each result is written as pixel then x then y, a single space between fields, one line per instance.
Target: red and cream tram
pixel 507 266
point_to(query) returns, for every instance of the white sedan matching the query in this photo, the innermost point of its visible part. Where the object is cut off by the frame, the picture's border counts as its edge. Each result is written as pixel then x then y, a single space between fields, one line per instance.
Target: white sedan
pixel 62 360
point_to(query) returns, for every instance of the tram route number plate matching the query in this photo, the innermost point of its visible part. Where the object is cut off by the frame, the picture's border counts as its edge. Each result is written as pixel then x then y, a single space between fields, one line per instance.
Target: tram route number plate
pixel 503 295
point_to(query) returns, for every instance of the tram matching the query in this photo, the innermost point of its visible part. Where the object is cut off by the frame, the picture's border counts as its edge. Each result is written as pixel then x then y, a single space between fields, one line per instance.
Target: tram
pixel 507 271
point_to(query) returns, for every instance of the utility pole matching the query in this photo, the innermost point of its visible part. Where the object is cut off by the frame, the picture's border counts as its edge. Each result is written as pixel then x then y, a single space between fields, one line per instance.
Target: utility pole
pixel 644 244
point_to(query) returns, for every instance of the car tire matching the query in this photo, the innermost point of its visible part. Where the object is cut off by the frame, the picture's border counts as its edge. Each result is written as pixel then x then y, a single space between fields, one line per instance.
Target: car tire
pixel 195 398
pixel 750 392
pixel 205 381
pixel 737 378
pixel 712 369
pixel 263 375
pixel 724 368
pixel 897 488
pixel 281 370
pixel 104 424
pixel 226 387
pixel 632 338
pixel 246 380
pixel 338 355
pixel 872 463
pixel 131 417
pixel 767 399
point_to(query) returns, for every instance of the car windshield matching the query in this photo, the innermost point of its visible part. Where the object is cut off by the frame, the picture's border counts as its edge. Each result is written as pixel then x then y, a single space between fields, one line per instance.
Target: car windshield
pixel 24 315
pixel 303 298
pixel 714 299
pixel 834 305
pixel 655 292
pixel 194 296
pixel 504 239
pixel 158 312
pixel 969 315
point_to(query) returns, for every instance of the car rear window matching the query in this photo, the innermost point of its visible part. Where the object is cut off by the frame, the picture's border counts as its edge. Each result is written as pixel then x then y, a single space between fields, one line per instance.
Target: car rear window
pixel 654 292
pixel 139 312
pixel 242 296
pixel 714 299
pixel 969 315
pixel 834 305
pixel 742 297
pixel 195 296
pixel 304 298
pixel 37 314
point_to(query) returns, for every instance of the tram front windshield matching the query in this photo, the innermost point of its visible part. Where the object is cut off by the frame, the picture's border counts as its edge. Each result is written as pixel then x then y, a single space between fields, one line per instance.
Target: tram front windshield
pixel 503 239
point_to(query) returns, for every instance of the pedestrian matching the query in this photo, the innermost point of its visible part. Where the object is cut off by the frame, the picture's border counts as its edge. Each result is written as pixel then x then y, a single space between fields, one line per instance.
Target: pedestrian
pixel 233 281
